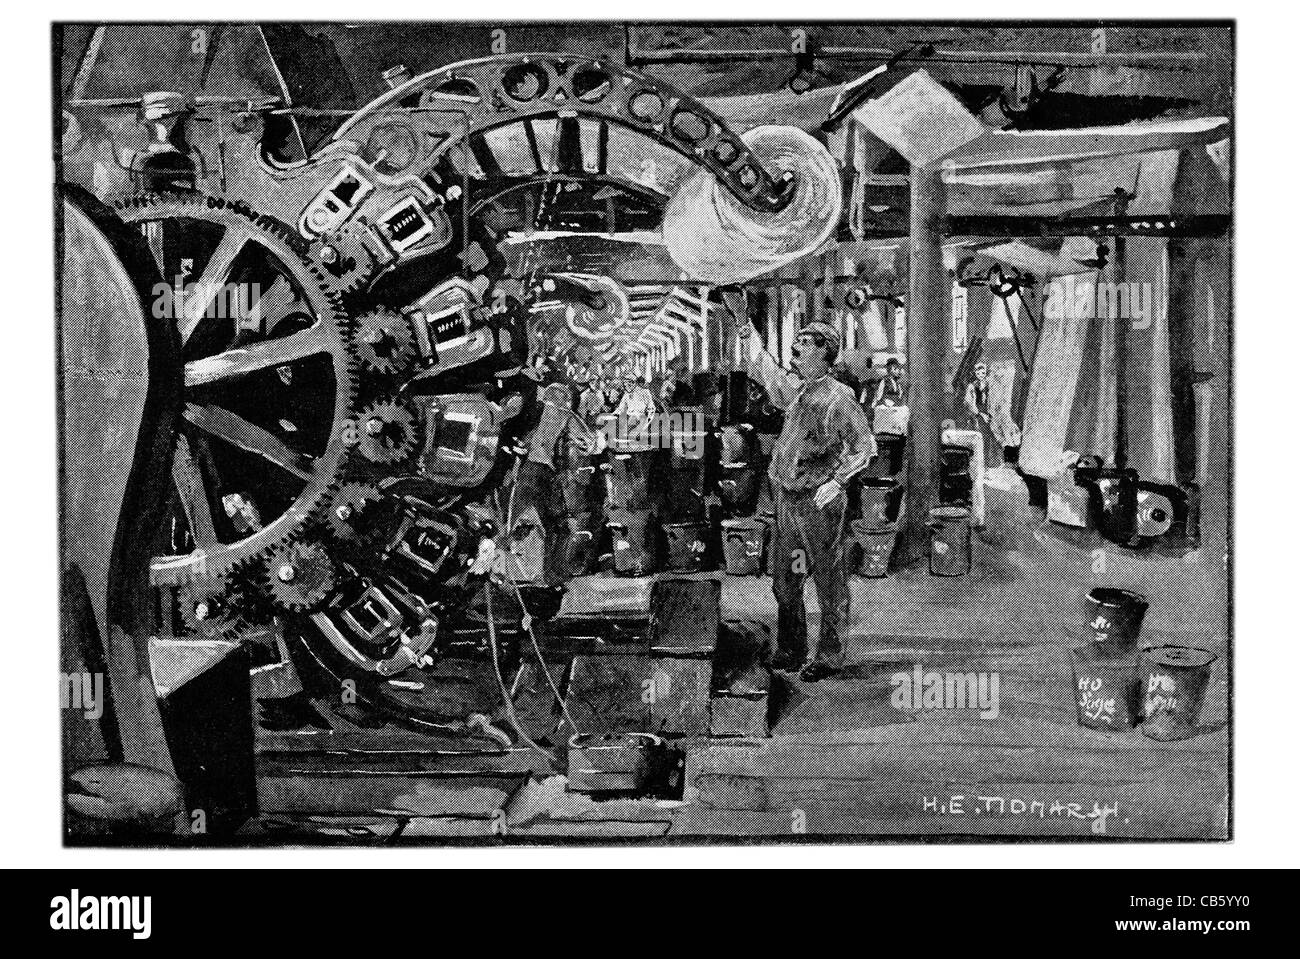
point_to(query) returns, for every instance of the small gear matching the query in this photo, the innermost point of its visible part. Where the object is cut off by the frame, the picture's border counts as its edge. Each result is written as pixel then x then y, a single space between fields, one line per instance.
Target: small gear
pixel 212 610
pixel 346 263
pixel 388 432
pixel 301 576
pixel 360 513
pixel 385 343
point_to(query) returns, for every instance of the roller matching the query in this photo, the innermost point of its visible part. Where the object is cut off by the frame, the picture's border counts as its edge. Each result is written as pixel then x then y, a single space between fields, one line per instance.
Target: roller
pixel 714 238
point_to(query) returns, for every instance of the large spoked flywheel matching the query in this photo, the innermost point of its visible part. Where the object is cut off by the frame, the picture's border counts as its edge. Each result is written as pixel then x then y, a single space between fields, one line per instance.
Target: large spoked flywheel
pixel 267 381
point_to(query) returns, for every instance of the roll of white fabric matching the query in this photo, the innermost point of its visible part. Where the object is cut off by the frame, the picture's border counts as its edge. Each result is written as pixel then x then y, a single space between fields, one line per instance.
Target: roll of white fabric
pixel 715 238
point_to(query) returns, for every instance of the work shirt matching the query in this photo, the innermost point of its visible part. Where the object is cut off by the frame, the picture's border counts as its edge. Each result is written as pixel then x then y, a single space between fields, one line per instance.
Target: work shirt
pixel 826 435
pixel 637 404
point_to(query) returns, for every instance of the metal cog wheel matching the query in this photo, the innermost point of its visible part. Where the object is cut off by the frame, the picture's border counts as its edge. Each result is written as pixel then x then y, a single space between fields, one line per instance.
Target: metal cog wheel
pixel 219 237
pixel 388 432
pixel 346 263
pixel 212 610
pixel 359 513
pixel 385 343
pixel 300 576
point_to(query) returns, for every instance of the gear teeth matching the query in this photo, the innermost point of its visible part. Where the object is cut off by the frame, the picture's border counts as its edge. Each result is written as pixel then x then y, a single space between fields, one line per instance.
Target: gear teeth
pixel 300 576
pixel 384 342
pixel 348 267
pixel 359 513
pixel 389 433
pixel 329 305
pixel 214 610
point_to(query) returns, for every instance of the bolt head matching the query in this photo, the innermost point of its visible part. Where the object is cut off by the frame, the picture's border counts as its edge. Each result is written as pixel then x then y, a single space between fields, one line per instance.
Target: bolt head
pixel 286 573
pixel 344 512
pixel 329 254
pixel 374 426
pixel 201 611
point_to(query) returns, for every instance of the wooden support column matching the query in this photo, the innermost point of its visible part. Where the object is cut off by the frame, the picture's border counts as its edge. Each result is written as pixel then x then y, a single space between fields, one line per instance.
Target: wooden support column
pixel 928 304
pixel 1120 345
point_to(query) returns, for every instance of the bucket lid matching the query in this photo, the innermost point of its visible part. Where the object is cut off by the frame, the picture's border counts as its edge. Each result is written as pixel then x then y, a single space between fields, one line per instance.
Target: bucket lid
pixel 867 526
pixel 615 741
pixel 1184 657
pixel 949 512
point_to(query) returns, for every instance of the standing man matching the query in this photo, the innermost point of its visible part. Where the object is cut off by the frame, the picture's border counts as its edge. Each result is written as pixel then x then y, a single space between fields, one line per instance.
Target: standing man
pixel 591 403
pixel 635 411
pixel 824 442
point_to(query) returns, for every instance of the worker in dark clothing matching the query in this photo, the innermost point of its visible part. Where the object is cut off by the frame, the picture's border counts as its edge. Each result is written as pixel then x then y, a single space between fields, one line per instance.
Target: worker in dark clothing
pixel 824 443
pixel 539 483
pixel 891 390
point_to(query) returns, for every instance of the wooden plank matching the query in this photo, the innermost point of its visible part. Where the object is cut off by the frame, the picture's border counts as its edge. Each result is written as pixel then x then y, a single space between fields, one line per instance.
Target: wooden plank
pixel 680 704
pixel 1182 808
pixel 397 794
pixel 959 762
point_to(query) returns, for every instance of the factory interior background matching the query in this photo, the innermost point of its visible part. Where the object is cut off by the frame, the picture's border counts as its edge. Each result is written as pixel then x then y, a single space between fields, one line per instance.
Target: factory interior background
pixel 420 482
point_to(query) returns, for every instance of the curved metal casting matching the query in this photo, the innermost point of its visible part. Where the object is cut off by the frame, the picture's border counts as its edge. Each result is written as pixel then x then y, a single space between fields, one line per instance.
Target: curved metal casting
pixel 498 90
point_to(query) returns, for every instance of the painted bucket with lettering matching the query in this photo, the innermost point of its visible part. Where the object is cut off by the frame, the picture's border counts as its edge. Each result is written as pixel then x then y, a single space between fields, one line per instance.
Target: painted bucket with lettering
pixel 1173 682
pixel 1115 617
pixel 950 541
pixel 875 547
pixel 1106 688
pixel 687 546
pixel 742 546
pixel 880 501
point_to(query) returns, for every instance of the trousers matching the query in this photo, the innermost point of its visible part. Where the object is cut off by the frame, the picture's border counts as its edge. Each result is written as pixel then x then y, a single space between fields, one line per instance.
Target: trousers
pixel 809 541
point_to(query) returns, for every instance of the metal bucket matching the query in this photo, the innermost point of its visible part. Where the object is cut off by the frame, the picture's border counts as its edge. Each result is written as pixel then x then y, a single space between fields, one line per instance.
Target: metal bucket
pixel 1115 617
pixel 634 543
pixel 880 501
pixel 1173 681
pixel 949 541
pixel 888 460
pixel 579 552
pixel 742 546
pixel 738 489
pixel 580 487
pixel 687 546
pixel 1105 688
pixel 876 545
pixel 627 482
pixel 738 445
pixel 614 762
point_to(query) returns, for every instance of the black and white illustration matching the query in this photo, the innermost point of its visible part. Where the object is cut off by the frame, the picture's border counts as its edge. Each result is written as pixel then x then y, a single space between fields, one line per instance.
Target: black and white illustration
pixel 683 432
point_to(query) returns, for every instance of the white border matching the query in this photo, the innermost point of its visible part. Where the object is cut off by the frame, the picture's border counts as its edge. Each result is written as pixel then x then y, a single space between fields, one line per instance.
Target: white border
pixel 1267 521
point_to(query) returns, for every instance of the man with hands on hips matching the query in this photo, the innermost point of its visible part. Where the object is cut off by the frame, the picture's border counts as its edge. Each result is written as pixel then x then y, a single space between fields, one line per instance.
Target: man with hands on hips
pixel 824 442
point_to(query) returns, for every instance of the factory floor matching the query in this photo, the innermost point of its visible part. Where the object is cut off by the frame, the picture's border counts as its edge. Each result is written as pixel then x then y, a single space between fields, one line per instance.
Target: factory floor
pixel 842 759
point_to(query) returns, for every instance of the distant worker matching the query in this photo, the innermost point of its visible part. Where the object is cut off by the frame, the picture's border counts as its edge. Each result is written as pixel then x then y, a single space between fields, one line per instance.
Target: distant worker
pixel 635 411
pixel 891 390
pixel 538 484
